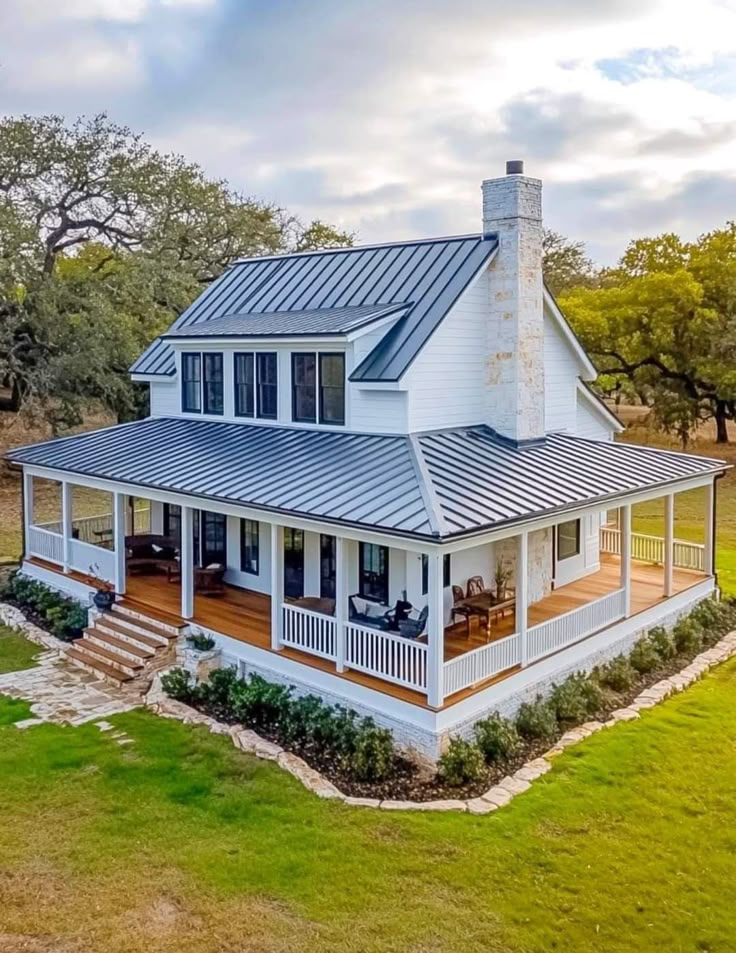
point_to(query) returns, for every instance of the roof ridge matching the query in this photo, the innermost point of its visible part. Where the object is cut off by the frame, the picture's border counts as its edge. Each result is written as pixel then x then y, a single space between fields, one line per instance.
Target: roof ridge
pixel 426 486
pixel 478 236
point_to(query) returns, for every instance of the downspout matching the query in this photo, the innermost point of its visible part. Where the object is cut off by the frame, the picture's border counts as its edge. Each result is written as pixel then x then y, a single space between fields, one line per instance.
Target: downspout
pixel 718 476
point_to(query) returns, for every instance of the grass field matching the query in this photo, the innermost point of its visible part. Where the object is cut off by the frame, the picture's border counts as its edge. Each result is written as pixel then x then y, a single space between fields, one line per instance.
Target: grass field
pixel 178 842
pixel 16 653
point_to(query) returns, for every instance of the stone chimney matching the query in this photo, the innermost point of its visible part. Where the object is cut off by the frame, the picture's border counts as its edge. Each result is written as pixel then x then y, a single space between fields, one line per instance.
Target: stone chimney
pixel 512 210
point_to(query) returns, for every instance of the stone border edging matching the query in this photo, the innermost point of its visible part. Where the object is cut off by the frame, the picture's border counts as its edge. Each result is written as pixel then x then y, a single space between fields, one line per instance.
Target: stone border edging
pixel 15 619
pixel 498 796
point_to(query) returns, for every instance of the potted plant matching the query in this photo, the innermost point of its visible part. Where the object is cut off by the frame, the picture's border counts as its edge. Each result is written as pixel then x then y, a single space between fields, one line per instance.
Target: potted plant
pixel 104 597
pixel 198 654
pixel 501 578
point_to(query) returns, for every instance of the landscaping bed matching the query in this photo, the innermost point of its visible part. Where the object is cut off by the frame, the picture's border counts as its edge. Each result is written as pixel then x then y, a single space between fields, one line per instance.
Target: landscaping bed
pixel 62 617
pixel 361 760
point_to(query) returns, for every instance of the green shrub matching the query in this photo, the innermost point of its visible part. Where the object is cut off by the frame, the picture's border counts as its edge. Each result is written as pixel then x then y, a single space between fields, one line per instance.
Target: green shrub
pixel 372 757
pixel 537 721
pixel 715 618
pixel 497 738
pixel 64 618
pixel 201 642
pixel 576 699
pixel 177 684
pixel 618 674
pixel 688 636
pixel 214 694
pixel 644 657
pixel 663 643
pixel 461 763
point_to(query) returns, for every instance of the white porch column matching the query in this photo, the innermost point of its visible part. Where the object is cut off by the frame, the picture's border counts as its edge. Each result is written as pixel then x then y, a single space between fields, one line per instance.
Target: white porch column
pixel 522 593
pixel 118 535
pixel 27 509
pixel 710 506
pixel 435 633
pixel 66 523
pixel 669 541
pixel 341 601
pixel 186 557
pixel 277 583
pixel 624 522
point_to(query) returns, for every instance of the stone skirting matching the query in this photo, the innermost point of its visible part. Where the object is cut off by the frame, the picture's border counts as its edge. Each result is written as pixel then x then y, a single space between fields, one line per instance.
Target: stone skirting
pixel 497 796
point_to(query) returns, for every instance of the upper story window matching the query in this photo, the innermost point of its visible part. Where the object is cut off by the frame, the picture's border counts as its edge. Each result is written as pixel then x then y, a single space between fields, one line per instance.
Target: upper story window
pixel 256 384
pixel 318 388
pixel 202 383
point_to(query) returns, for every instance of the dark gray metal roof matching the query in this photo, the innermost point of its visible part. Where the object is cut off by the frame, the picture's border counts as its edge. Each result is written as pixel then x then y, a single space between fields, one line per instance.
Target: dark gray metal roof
pixel 429 274
pixel 318 321
pixel 438 484
pixel 480 480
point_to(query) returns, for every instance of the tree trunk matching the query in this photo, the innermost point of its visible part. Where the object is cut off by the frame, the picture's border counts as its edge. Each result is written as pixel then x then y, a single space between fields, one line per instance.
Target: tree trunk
pixel 721 422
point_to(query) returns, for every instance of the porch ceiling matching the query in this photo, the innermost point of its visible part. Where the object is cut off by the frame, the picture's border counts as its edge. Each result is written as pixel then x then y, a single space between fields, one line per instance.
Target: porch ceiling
pixel 434 485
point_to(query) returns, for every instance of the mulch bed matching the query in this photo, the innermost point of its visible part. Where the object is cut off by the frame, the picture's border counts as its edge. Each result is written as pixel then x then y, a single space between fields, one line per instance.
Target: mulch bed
pixel 412 782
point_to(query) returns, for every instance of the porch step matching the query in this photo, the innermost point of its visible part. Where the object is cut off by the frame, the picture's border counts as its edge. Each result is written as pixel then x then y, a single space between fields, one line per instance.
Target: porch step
pixel 152 620
pixel 128 648
pixel 122 663
pixel 123 633
pixel 97 666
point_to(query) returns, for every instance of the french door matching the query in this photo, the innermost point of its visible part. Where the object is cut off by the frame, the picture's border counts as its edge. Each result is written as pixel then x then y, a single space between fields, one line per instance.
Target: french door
pixel 209 534
pixel 293 563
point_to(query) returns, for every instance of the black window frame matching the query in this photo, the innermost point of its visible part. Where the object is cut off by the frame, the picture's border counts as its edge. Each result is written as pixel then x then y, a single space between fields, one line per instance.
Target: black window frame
pixel 260 357
pixel 244 388
pixel 576 552
pixel 191 386
pixel 374 584
pixel 293 562
pixel 297 357
pixel 212 359
pixel 250 548
pixel 327 566
pixel 172 521
pixel 322 387
pixel 446 572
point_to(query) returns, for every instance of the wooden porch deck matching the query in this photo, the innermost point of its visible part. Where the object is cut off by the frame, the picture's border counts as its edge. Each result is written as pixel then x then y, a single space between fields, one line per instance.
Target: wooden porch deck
pixel 245 615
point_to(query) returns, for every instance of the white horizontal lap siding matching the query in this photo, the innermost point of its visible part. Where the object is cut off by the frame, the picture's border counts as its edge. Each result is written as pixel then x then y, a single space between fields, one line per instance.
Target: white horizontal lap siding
pixel 589 424
pixel 561 372
pixel 446 382
pixel 165 398
pixel 373 411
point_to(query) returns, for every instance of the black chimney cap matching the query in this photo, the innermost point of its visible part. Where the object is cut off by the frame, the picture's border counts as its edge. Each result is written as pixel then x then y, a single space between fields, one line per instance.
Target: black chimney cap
pixel 515 167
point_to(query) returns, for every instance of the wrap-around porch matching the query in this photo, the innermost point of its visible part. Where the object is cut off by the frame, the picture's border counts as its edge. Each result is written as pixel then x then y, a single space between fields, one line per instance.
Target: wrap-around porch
pixel 460 619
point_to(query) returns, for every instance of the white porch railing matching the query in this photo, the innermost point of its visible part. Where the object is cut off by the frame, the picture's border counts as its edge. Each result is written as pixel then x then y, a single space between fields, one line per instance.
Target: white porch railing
pixel 98 529
pixel 564 630
pixel 308 631
pixel 650 549
pixel 92 560
pixel 483 663
pixel 45 544
pixel 390 657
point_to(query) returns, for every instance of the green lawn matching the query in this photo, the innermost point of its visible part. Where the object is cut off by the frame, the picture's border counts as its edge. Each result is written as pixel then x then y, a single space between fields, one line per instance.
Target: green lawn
pixel 16 652
pixel 178 842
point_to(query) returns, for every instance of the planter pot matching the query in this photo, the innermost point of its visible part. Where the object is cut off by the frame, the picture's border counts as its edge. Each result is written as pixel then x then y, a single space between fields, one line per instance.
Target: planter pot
pixel 103 599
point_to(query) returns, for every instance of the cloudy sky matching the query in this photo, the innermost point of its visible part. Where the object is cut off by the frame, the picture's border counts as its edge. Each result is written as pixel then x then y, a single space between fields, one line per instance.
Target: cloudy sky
pixel 383 116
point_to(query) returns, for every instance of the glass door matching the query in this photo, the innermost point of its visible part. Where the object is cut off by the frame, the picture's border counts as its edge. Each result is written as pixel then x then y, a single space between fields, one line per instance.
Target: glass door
pixel 327 557
pixel 293 563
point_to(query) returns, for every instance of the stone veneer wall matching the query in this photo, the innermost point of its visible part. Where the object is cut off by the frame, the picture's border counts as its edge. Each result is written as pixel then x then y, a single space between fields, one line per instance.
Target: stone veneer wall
pixel 539 559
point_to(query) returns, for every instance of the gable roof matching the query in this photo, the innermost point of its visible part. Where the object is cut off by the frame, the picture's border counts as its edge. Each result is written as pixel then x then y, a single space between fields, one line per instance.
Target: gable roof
pixel 433 486
pixel 318 321
pixel 428 276
pixel 596 403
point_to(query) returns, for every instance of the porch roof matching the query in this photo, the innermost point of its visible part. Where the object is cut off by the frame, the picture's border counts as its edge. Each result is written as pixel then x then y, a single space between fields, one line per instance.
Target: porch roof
pixel 439 484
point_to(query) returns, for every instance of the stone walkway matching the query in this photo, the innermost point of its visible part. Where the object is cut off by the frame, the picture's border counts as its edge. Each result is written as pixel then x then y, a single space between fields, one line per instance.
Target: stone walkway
pixel 61 693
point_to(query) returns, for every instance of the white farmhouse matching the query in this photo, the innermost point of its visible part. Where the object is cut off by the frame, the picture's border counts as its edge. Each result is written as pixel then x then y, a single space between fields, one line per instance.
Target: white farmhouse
pixel 378 474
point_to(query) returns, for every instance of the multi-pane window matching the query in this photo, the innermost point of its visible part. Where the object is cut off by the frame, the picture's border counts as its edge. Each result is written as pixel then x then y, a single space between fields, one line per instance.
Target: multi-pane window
pixel 332 388
pixel 293 562
pixel 202 384
pixel 267 385
pixel 318 388
pixel 568 539
pixel 212 382
pixel 249 546
pixel 446 572
pixel 255 384
pixel 373 573
pixel 191 383
pixel 245 398
pixel 327 566
pixel 304 388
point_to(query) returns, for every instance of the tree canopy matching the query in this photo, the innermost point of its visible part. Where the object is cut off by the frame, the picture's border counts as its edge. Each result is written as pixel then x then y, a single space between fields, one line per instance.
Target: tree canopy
pixel 565 263
pixel 103 242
